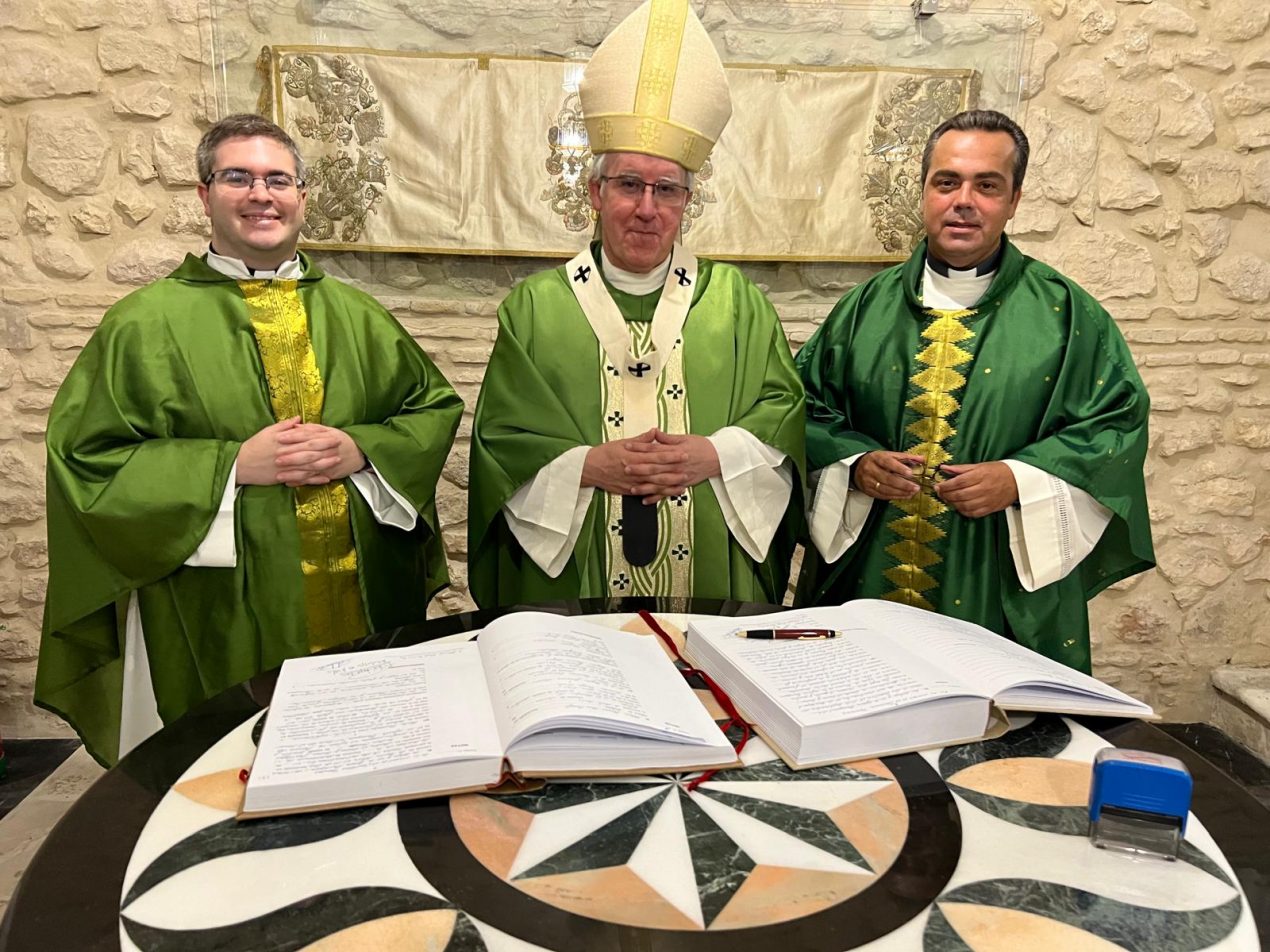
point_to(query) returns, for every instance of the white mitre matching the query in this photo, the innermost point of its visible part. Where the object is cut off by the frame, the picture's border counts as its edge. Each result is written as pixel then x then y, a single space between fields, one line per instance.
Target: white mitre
pixel 656 86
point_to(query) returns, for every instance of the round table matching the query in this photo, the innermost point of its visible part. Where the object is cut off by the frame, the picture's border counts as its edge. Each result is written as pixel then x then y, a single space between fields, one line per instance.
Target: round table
pixel 979 846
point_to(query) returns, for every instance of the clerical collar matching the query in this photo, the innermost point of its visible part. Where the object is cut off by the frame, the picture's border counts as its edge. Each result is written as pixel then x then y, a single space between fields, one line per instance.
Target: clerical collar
pixel 953 290
pixel 291 270
pixel 633 283
pixel 987 266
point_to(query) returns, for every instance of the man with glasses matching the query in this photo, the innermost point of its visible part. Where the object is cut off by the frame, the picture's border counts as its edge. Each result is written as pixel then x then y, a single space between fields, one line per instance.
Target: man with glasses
pixel 976 425
pixel 241 466
pixel 639 430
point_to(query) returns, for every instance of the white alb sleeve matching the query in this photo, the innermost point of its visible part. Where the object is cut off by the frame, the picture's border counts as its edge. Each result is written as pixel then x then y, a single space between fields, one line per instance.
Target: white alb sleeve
pixel 546 513
pixel 838 509
pixel 753 488
pixel 389 506
pixel 1055 526
pixel 218 549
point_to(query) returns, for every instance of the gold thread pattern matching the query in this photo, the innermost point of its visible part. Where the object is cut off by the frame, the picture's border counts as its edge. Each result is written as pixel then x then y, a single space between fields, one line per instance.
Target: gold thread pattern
pixel 568 163
pixel 660 61
pixel 936 405
pixel 892 164
pixel 344 188
pixel 670 571
pixel 328 557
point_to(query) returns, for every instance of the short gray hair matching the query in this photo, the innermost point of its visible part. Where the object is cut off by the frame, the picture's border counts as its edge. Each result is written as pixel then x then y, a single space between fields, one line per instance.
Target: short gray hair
pixel 243 125
pixel 600 162
pixel 982 120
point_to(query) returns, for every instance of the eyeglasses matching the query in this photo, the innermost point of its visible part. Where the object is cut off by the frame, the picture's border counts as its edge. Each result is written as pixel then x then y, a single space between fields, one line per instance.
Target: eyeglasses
pixel 632 187
pixel 241 178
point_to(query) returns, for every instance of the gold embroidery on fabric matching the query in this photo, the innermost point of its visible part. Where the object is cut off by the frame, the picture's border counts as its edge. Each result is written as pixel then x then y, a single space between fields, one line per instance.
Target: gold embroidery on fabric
pixel 935 405
pixel 344 188
pixel 569 195
pixel 892 164
pixel 670 572
pixel 328 558
pixel 660 60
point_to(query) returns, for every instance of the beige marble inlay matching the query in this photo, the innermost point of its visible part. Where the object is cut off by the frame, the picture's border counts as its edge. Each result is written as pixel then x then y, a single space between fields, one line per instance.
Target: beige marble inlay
pixel 222 790
pixel 778 894
pixel 989 929
pixel 492 831
pixel 1057 783
pixel 615 894
pixel 428 931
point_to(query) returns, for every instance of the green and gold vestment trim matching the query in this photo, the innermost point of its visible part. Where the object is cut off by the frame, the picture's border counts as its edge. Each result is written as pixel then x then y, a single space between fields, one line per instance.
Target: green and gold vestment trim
pixel 670 571
pixel 920 529
pixel 328 557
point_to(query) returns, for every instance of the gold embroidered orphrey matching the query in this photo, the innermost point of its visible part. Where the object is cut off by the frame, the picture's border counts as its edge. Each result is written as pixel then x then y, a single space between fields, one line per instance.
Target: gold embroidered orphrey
pixel 568 163
pixel 347 185
pixel 328 557
pixel 670 571
pixel 893 163
pixel 920 528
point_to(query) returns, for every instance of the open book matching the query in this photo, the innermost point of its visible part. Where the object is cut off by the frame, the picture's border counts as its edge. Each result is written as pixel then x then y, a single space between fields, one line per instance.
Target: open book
pixel 536 695
pixel 894 679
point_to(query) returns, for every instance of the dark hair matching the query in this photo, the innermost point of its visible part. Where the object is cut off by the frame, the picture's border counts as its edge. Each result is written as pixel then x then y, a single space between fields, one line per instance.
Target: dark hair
pixel 982 120
pixel 244 125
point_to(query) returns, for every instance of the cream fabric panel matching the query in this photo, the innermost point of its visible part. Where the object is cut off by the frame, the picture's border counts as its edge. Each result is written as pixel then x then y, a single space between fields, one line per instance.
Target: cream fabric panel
pixel 486 154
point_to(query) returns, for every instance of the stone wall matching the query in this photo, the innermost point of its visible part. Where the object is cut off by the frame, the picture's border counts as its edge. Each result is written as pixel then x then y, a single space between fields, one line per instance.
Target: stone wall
pixel 1150 185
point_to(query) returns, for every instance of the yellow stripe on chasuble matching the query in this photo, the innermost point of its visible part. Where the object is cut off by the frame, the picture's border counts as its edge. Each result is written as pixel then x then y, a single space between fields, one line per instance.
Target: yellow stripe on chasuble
pixel 939 382
pixel 328 558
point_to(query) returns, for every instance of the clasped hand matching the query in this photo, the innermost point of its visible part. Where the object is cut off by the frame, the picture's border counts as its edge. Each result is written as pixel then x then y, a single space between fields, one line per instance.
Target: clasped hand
pixel 973 489
pixel 297 454
pixel 655 465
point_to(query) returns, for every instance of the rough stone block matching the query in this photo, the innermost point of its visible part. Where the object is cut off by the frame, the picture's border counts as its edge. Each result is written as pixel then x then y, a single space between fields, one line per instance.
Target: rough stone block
pixel 1131 115
pixel 1083 84
pixel 1107 265
pixel 1242 277
pixel 174 155
pixel 1207 236
pixel 67 152
pixel 136 156
pixel 149 99
pixel 1210 181
pixel 133 204
pixel 60 258
pixel 93 217
pixel 35 69
pixel 1163 17
pixel 41 215
pixel 1237 20
pixel 143 261
pixel 118 50
pixel 185 216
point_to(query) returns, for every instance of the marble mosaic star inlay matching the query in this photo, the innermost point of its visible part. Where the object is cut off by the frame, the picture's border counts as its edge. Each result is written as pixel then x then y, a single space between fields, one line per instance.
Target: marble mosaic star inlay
pixel 757 845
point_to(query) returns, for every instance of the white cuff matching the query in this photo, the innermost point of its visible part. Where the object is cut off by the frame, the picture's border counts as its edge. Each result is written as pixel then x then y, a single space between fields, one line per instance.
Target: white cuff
pixel 1054 528
pixel 753 488
pixel 546 513
pixel 218 549
pixel 139 711
pixel 389 506
pixel 838 510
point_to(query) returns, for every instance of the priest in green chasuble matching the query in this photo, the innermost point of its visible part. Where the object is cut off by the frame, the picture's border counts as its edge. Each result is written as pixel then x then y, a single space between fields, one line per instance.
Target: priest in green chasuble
pixel 640 427
pixel 241 466
pixel 976 427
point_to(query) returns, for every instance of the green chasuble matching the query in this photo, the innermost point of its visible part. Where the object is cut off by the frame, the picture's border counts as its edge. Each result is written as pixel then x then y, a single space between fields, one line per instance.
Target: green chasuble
pixel 141 439
pixel 548 390
pixel 1037 372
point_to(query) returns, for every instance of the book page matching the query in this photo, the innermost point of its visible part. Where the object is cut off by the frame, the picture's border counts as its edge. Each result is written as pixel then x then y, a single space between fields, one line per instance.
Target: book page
pixel 992 663
pixel 859 672
pixel 349 714
pixel 556 672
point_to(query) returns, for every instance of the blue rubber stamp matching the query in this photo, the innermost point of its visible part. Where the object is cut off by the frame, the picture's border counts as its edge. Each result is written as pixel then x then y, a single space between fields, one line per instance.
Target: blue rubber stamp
pixel 1138 802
